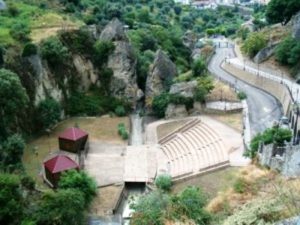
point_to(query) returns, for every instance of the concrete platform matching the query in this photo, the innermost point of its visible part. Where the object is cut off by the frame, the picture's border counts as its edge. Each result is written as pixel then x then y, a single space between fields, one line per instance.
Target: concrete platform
pixel 140 163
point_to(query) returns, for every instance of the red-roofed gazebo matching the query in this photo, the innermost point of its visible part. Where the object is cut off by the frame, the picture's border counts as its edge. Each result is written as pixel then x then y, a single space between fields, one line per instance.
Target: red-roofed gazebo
pixel 55 166
pixel 73 140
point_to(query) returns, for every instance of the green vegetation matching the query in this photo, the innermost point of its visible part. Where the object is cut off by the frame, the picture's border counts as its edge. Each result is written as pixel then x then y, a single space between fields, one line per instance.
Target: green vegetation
pixel 157 207
pixel 275 135
pixel 81 182
pixel 53 50
pixel 281 11
pixel 254 43
pixel 290 57
pixel 48 113
pixel 29 49
pixel 241 95
pixel 122 131
pixel 163 182
pixel 22 204
pixel 12 89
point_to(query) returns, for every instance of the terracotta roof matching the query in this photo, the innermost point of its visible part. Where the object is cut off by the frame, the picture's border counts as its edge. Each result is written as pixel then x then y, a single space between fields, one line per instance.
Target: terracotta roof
pixel 60 163
pixel 73 134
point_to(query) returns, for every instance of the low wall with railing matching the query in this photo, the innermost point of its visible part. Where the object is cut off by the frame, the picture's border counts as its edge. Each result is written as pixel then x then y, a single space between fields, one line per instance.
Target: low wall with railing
pixel 275 88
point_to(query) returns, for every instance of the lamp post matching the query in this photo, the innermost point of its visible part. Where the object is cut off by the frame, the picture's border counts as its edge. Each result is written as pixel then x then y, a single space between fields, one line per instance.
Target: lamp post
pixel 244 63
pixel 258 69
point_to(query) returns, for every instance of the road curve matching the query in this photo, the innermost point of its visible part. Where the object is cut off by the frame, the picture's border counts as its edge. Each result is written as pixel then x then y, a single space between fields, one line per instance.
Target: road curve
pixel 263 107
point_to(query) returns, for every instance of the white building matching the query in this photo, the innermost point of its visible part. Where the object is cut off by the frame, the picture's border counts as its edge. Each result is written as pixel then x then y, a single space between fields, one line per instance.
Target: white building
pixel 183 2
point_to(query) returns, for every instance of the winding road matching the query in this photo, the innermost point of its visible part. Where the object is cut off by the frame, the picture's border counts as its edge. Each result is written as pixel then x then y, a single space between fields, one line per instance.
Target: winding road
pixel 263 108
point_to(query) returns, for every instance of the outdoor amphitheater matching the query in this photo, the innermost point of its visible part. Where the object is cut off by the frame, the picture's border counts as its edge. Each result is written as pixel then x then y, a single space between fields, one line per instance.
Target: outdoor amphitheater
pixel 199 145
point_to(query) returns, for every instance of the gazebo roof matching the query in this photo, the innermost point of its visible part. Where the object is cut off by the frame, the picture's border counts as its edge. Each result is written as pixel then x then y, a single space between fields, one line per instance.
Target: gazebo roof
pixel 73 134
pixel 60 163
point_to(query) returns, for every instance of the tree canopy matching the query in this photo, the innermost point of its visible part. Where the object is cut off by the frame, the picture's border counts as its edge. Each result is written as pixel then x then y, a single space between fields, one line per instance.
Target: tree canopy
pixel 281 11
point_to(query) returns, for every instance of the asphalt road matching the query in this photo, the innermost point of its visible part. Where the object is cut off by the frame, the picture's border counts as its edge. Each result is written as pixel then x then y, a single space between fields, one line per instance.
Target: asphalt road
pixel 263 108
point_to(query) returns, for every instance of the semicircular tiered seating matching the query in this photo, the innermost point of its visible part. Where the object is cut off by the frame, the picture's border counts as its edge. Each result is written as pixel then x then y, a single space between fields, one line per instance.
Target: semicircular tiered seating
pixel 194 148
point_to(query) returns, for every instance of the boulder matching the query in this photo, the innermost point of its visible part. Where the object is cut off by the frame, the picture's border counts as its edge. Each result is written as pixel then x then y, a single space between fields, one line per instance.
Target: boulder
pixel 45 84
pixel 85 71
pixel 113 31
pixel 123 64
pixel 296 26
pixel 265 53
pixel 189 40
pixel 176 111
pixel 185 89
pixel 2 5
pixel 161 74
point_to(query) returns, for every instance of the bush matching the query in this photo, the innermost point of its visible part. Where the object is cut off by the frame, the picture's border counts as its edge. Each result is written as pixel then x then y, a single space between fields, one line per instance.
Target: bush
pixel 102 50
pixel 29 49
pixel 120 111
pixel 164 182
pixel 48 113
pixel 240 185
pixel 20 32
pixel 241 95
pixel 275 135
pixel 54 51
pixel 254 43
pixel 199 67
pixel 122 131
pixel 290 57
pixel 159 104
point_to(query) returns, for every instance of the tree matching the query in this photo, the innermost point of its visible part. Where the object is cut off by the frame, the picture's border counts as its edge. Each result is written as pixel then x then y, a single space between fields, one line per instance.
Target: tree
pixel 190 203
pixel 160 103
pixel 48 112
pixel 199 67
pixel 63 207
pixel 54 51
pixel 13 99
pixel 254 43
pixel 81 182
pixel 12 152
pixel 11 209
pixel 102 51
pixel 281 11
pixel 150 209
pixel 163 182
pixel 20 32
pixel 177 10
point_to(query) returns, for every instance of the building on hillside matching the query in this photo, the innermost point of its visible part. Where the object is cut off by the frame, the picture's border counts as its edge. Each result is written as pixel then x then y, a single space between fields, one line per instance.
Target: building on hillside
pixel 183 2
pixel 204 4
pixel 73 140
pixel 54 167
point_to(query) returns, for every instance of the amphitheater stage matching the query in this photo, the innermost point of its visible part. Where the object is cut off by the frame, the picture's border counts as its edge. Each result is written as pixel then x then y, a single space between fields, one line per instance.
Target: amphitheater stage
pixel 140 163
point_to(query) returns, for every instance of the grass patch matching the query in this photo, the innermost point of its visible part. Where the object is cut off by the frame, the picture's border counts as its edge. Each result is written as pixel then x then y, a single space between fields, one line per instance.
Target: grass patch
pixel 99 129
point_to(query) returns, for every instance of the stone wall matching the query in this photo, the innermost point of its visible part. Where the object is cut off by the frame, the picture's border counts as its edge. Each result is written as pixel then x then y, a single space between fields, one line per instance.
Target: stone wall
pixel 288 163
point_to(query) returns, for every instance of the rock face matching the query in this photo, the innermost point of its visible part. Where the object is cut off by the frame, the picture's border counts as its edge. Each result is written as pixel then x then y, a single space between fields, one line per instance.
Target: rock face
pixel 296 26
pixel 45 84
pixel 186 89
pixel 176 111
pixel 161 74
pixel 114 31
pixel 122 62
pixel 265 53
pixel 189 40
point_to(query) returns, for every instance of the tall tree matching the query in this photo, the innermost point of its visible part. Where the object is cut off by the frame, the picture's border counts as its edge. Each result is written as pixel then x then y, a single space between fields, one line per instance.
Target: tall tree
pixel 13 100
pixel 281 11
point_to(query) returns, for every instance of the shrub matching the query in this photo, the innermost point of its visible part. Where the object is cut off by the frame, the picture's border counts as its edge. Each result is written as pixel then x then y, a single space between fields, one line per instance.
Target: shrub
pixel 48 113
pixel 160 103
pixel 290 57
pixel 120 111
pixel 102 50
pixel 164 182
pixel 122 131
pixel 241 95
pixel 54 51
pixel 29 49
pixel 240 185
pixel 20 32
pixel 254 43
pixel 199 67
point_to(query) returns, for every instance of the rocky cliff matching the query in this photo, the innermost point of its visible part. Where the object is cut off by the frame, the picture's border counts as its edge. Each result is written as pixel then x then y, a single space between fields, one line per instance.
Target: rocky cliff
pixel 122 62
pixel 296 26
pixel 161 74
